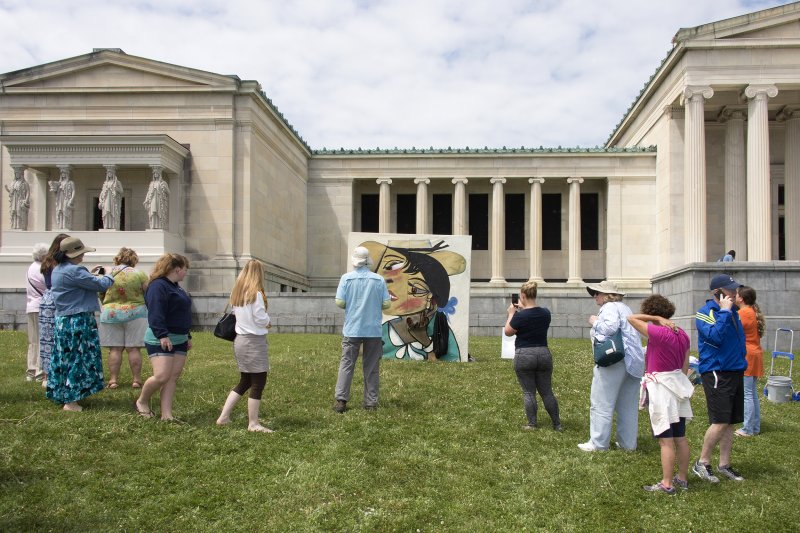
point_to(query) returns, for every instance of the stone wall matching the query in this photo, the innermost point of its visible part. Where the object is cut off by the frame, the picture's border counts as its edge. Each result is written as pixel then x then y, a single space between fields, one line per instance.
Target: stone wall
pixel 777 284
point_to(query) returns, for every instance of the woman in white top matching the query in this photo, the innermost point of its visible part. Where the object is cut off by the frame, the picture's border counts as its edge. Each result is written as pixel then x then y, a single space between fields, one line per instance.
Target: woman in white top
pixel 250 348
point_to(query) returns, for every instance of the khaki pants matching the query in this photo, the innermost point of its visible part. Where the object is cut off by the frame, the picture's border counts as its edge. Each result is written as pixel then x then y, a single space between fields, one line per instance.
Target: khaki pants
pixel 34 369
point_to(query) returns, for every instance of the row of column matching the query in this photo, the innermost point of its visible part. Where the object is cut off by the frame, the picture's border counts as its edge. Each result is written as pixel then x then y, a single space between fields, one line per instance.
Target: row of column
pixel 497 225
pixel 747 198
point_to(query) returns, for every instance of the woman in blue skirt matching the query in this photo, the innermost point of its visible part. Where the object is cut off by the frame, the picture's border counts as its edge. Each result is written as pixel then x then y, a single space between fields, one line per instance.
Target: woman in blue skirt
pixel 47 308
pixel 76 369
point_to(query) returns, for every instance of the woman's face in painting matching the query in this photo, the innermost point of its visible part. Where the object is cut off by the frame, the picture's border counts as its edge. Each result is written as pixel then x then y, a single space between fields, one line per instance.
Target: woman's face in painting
pixel 409 293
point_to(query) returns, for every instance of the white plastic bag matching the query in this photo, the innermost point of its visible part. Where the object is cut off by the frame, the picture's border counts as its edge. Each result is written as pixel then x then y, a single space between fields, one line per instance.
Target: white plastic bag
pixel 507 351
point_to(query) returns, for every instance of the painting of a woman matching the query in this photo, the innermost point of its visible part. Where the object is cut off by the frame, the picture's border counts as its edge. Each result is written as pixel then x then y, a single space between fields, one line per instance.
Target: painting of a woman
pixel 417 274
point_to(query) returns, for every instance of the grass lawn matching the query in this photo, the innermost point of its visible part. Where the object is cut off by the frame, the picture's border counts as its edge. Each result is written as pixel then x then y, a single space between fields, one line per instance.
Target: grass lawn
pixel 445 452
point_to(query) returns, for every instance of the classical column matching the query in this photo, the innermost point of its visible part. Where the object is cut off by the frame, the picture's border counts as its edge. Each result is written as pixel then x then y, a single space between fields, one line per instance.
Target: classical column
pixel 535 227
pixel 574 275
pixel 460 206
pixel 422 204
pixel 791 187
pixel 384 205
pixel 759 212
pixel 735 183
pixel 498 230
pixel 694 172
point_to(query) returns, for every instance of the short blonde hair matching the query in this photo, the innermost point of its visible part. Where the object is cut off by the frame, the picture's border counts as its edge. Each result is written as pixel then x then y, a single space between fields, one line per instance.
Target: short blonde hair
pixel 529 289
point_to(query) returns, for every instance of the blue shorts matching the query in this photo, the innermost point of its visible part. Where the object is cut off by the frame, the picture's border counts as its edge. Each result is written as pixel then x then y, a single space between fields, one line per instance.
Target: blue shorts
pixel 675 431
pixel 177 349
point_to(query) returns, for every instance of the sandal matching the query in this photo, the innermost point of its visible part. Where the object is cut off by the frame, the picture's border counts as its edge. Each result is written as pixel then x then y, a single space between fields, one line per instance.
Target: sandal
pixel 136 385
pixel 112 385
pixel 143 414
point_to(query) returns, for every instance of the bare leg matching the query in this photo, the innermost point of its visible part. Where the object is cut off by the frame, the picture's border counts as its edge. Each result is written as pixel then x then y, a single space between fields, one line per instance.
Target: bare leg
pixel 227 409
pixel 725 446
pixel 667 461
pixel 253 424
pixel 135 361
pixel 168 390
pixel 162 367
pixel 682 447
pixel 714 434
pixel 114 363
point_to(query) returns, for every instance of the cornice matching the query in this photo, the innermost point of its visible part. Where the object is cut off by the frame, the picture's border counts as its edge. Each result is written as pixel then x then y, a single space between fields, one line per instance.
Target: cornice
pixel 93 150
pixel 504 151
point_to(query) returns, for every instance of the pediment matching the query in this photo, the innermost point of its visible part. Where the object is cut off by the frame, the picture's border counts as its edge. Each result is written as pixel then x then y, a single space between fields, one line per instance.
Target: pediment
pixel 782 22
pixel 111 70
pixel 790 30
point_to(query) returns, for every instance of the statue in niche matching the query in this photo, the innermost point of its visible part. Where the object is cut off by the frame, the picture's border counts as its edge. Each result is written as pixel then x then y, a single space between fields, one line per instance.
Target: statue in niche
pixel 19 200
pixel 64 188
pixel 157 201
pixel 110 201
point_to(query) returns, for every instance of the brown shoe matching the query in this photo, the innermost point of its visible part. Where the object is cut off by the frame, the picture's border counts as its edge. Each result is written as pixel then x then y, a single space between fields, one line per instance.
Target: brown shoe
pixel 340 406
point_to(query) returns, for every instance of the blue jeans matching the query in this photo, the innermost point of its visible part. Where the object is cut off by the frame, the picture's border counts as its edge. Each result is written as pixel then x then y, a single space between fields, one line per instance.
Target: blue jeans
pixel 614 390
pixel 752 406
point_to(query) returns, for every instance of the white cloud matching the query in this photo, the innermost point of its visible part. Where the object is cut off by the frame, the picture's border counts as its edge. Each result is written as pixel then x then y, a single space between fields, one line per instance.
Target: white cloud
pixel 396 72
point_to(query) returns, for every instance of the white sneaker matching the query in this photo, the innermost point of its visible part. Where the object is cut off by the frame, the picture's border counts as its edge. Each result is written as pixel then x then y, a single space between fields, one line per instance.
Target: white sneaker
pixel 588 446
pixel 44 383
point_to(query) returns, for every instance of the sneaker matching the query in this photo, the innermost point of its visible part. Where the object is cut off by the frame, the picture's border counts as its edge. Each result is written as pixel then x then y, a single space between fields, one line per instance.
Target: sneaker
pixel 528 427
pixel 742 433
pixel 588 447
pixel 558 428
pixel 370 407
pixel 730 473
pixel 679 483
pixel 703 471
pixel 340 406
pixel 659 487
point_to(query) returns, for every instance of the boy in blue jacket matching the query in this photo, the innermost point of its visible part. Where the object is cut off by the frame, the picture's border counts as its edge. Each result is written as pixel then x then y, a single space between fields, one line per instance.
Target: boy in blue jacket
pixel 720 343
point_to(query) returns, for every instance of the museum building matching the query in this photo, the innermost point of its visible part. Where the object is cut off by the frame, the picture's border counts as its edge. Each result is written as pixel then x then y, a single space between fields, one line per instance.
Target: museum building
pixel 706 159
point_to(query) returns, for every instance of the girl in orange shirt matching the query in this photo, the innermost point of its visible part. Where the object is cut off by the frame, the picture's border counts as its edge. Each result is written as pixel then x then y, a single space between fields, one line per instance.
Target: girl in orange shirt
pixel 754 326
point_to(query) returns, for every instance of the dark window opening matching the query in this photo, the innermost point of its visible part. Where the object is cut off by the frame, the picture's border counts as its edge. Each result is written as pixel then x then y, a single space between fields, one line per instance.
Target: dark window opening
pixel 369 213
pixel 780 195
pixel 781 238
pixel 590 217
pixel 442 223
pixel 515 222
pixel 406 213
pixel 479 221
pixel 551 221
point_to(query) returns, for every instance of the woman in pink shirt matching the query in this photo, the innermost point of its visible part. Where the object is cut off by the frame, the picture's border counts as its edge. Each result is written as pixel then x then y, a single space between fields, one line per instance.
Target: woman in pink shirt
pixel 668 388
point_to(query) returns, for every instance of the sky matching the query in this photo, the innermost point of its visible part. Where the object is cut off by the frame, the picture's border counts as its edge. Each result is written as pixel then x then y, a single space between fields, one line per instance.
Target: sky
pixel 393 73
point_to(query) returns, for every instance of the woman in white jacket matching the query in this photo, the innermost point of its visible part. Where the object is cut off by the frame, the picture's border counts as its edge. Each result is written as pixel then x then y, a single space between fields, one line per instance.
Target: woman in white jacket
pixel 250 348
pixel 615 388
pixel 668 389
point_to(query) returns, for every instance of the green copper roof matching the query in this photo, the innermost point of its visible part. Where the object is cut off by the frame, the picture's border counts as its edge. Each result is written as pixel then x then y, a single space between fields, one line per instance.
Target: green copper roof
pixel 522 150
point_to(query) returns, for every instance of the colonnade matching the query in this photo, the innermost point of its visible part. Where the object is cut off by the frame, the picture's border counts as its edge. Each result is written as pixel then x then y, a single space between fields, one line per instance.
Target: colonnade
pixel 497 220
pixel 747 198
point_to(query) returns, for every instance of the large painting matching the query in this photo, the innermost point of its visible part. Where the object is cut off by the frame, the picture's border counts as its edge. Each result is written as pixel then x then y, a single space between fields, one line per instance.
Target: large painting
pixel 428 277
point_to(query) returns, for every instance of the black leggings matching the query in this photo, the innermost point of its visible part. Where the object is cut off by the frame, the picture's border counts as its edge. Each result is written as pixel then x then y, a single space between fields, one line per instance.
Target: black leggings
pixel 534 368
pixel 255 380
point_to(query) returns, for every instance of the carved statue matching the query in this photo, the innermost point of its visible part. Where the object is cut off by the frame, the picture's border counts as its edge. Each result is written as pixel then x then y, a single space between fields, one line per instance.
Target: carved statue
pixel 19 200
pixel 157 201
pixel 65 198
pixel 110 201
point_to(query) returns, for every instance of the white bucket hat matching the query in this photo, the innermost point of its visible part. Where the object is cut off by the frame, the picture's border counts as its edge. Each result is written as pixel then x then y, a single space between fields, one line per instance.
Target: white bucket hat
pixel 361 257
pixel 605 286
